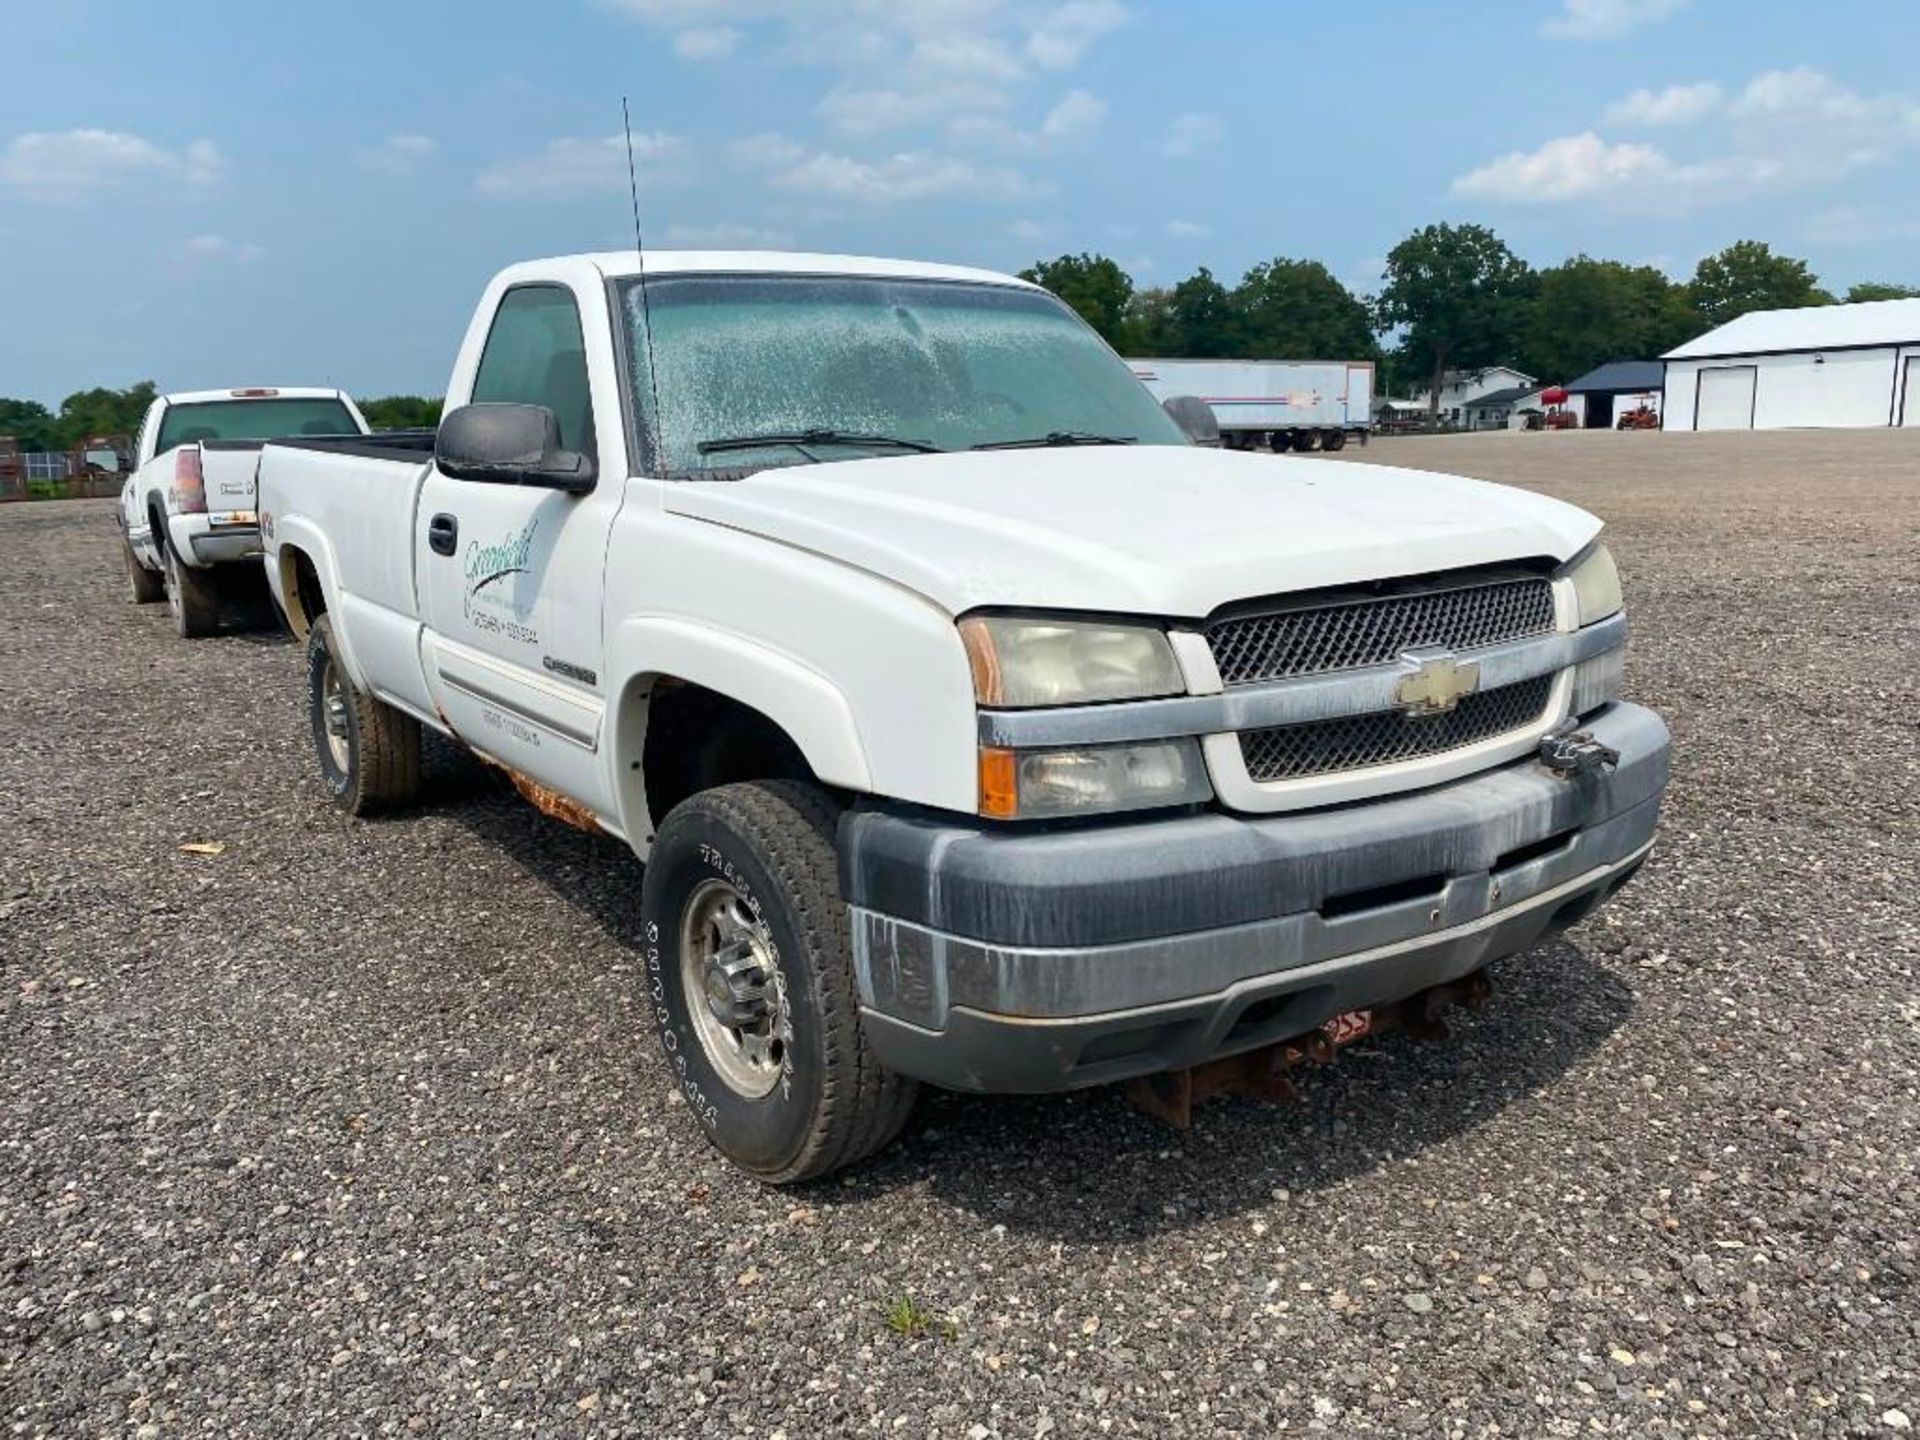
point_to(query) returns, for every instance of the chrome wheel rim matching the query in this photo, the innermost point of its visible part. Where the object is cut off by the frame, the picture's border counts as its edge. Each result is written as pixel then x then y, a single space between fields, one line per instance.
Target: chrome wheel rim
pixel 333 717
pixel 170 579
pixel 731 979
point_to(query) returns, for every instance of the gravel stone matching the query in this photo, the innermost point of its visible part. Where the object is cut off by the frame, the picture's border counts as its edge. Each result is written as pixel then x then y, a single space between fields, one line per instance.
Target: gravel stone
pixel 384 1093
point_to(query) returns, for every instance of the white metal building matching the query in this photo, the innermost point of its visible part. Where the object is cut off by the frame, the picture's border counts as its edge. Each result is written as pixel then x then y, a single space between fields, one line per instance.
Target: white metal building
pixel 1824 366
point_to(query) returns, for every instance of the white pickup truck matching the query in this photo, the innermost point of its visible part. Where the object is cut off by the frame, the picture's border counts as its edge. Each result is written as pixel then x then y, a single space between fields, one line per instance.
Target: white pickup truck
pixel 187 513
pixel 975 726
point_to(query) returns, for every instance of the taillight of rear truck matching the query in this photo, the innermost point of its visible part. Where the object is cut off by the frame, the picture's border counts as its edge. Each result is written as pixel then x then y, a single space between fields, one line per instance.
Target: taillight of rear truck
pixel 189 490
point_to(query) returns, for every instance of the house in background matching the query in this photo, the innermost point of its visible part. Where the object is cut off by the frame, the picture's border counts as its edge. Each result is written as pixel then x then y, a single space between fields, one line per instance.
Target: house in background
pixel 1495 410
pixel 1824 366
pixel 1459 389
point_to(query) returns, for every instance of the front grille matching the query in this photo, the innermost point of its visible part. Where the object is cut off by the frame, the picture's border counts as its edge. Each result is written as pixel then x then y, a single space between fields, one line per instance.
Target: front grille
pixel 1375 630
pixel 1326 747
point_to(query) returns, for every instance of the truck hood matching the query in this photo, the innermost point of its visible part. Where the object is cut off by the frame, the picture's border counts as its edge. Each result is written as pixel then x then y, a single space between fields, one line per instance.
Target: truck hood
pixel 1152 530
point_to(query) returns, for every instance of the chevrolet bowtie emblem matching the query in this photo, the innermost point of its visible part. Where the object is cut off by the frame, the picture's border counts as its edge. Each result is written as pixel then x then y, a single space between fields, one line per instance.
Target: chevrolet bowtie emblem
pixel 1437 684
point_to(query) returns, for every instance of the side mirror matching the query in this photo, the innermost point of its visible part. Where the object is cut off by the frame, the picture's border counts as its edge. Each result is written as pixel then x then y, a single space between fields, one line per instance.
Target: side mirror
pixel 510 445
pixel 1196 417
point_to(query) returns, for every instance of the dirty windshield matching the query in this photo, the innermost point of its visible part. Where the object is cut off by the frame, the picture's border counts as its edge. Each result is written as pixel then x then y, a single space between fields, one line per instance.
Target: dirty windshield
pixel 757 370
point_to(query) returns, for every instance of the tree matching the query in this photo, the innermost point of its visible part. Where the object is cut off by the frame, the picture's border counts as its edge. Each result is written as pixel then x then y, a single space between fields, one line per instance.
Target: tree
pixel 101 411
pixel 401 412
pixel 1199 320
pixel 1093 285
pixel 1459 294
pixel 1296 310
pixel 30 424
pixel 1868 290
pixel 1748 276
pixel 1587 312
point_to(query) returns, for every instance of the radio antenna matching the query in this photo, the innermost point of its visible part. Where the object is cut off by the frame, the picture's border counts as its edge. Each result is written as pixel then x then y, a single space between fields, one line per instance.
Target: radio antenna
pixel 646 315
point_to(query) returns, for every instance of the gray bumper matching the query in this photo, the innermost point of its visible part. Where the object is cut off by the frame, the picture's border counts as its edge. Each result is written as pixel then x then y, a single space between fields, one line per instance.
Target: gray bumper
pixel 1014 961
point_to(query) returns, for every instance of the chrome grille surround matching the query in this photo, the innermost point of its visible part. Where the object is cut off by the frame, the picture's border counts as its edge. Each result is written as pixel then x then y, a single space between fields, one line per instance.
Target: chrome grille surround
pixel 1387 737
pixel 1320 636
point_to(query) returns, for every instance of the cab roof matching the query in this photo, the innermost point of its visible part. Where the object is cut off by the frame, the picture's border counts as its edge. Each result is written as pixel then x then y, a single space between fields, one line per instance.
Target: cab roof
pixel 619 264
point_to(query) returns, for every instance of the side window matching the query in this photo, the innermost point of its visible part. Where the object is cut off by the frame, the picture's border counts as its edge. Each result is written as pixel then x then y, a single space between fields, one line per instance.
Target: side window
pixel 535 356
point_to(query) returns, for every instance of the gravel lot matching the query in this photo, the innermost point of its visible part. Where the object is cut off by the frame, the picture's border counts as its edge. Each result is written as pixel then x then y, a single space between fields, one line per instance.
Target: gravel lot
pixel 358 1129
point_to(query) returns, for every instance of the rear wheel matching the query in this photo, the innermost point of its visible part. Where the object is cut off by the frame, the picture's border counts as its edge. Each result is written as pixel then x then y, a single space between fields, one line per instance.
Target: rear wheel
pixel 1305 440
pixel 144 586
pixel 1334 440
pixel 369 752
pixel 750 981
pixel 1280 441
pixel 193 598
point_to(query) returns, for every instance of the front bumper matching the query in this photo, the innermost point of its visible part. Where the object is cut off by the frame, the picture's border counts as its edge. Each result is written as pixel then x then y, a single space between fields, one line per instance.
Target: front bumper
pixel 1007 960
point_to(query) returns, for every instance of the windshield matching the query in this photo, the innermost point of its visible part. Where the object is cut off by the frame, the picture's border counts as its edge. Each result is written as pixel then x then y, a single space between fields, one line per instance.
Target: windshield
pixel 252 420
pixel 864 367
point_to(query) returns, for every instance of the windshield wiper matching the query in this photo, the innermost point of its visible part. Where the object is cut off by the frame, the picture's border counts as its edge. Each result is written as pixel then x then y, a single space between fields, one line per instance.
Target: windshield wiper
pixel 801 439
pixel 1057 437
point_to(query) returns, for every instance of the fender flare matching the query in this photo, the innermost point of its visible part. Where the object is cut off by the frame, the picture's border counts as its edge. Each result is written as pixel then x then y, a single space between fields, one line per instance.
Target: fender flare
pixel 806 705
pixel 295 533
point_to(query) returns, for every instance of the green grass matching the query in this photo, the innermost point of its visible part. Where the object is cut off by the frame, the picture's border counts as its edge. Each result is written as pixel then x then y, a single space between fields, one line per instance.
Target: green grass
pixel 907 1316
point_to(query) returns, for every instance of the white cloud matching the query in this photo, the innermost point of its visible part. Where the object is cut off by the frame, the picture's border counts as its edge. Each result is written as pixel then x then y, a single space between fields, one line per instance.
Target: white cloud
pixel 1675 105
pixel 1032 232
pixel 858 111
pixel 400 154
pixel 70 167
pixel 1858 225
pixel 570 166
pixel 706 42
pixel 1191 133
pixel 1063 35
pixel 769 150
pixel 726 236
pixel 202 250
pixel 1574 167
pixel 1078 113
pixel 1785 130
pixel 1188 229
pixel 1607 19
pixel 909 175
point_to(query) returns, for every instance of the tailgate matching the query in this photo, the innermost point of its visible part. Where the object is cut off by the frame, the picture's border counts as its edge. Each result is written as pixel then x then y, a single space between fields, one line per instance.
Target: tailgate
pixel 228 468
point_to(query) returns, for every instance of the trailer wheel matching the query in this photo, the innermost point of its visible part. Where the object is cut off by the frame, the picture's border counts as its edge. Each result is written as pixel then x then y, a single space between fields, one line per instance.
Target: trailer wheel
pixel 749 975
pixel 192 597
pixel 1280 441
pixel 1305 440
pixel 144 586
pixel 1334 440
pixel 369 752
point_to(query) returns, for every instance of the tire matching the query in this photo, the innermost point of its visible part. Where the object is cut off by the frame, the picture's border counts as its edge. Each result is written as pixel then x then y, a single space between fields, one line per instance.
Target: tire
pixel 192 596
pixel 1280 441
pixel 1334 440
pixel 144 586
pixel 808 1097
pixel 1305 440
pixel 369 752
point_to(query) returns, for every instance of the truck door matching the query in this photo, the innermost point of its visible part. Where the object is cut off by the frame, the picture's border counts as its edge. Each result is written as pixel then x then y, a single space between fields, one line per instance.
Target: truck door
pixel 510 575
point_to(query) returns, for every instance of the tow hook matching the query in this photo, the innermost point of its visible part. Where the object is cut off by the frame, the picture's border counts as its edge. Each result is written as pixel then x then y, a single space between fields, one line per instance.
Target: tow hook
pixel 1568 752
pixel 1263 1074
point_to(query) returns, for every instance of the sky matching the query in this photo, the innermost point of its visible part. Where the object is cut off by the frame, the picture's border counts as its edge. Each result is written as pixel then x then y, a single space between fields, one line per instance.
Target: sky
pixel 215 194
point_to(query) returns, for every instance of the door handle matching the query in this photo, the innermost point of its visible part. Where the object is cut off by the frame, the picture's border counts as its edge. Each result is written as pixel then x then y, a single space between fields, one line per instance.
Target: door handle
pixel 443 534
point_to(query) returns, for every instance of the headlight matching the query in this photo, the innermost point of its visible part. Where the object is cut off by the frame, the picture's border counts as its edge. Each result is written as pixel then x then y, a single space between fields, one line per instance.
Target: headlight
pixel 1021 661
pixel 1596 584
pixel 1051 784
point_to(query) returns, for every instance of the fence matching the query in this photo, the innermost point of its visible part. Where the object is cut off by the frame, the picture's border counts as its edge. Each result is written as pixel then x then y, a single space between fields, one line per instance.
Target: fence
pixel 51 475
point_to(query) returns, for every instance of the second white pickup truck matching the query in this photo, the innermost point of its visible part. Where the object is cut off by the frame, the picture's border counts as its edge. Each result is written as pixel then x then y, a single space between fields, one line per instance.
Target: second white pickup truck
pixel 974 725
pixel 187 515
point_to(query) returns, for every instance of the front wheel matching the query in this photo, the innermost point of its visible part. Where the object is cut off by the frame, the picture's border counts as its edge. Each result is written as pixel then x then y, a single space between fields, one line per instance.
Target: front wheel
pixel 369 752
pixel 749 976
pixel 144 586
pixel 192 597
